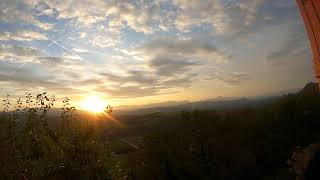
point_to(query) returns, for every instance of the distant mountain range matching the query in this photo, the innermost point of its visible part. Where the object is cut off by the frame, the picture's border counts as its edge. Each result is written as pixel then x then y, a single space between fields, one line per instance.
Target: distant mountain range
pixel 218 103
pixel 169 104
pixel 153 105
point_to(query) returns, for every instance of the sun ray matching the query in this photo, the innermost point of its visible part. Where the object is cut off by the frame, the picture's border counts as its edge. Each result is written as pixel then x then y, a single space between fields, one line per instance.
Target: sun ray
pixel 114 120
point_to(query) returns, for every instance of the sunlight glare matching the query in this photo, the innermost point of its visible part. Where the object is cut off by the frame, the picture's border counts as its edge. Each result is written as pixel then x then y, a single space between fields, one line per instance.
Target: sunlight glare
pixel 94 104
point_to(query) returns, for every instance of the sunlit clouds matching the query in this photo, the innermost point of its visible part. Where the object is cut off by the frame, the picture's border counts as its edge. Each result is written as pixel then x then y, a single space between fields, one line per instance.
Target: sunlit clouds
pixel 143 51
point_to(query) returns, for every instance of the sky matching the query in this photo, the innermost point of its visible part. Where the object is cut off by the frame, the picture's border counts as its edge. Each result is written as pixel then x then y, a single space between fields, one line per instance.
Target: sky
pixel 133 52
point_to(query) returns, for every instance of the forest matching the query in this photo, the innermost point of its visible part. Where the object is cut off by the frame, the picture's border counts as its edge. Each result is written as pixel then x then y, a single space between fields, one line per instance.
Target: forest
pixel 264 142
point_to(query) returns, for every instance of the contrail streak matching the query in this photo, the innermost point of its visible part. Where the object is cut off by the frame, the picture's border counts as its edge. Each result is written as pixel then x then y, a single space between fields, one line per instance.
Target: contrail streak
pixel 55 42
pixel 65 35
pixel 15 71
pixel 68 50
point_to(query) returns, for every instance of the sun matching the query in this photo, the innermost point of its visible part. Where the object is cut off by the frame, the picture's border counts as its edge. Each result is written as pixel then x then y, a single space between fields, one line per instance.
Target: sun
pixel 93 104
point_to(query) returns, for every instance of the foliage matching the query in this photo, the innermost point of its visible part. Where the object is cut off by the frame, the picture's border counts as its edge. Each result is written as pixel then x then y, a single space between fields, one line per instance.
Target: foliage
pixel 276 141
pixel 30 149
pixel 247 143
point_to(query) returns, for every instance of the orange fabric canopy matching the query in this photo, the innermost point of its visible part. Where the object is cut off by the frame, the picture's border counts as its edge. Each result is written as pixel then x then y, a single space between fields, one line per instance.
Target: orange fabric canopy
pixel 310 11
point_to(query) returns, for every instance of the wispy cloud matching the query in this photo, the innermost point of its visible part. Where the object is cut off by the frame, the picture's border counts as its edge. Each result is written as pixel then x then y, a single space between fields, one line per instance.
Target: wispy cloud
pixel 21 35
pixel 139 48
pixel 233 79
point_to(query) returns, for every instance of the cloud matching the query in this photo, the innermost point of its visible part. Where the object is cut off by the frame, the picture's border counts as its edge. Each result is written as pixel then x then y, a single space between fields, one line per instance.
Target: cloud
pixel 296 45
pixel 140 48
pixel 190 48
pixel 139 77
pixel 250 9
pixel 138 15
pixel 141 83
pixel 21 35
pixel 23 76
pixel 156 87
pixel 53 61
pixel 233 79
pixel 129 91
pixel 43 9
pixel 170 57
pixel 141 16
pixel 106 38
pixel 32 77
pixel 15 11
pixel 170 66
pixel 81 50
pixel 251 17
pixel 169 63
pixel 19 53
pixel 85 12
pixel 194 13
pixel 183 81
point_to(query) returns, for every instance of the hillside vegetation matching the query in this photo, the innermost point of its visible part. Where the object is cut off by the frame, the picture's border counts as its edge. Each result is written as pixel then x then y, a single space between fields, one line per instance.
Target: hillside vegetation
pixel 264 142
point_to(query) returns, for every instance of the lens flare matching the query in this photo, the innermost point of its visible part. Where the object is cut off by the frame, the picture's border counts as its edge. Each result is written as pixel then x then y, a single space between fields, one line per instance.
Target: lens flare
pixel 93 104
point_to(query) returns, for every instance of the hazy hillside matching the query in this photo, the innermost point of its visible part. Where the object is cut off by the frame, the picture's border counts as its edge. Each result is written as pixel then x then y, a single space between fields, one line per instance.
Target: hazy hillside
pixel 214 104
pixel 223 140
